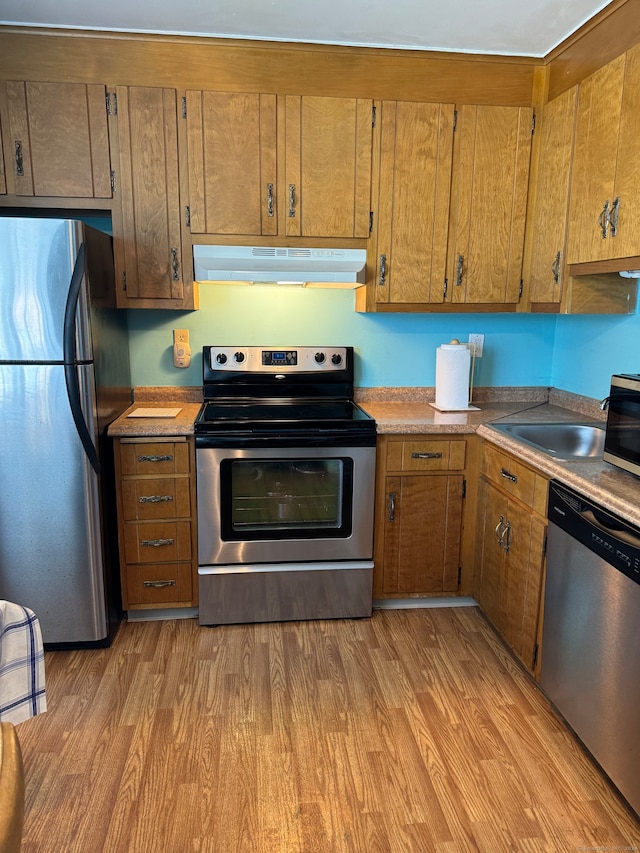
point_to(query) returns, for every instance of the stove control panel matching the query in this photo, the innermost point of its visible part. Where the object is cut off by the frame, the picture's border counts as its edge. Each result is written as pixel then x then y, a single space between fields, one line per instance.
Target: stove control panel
pixel 282 359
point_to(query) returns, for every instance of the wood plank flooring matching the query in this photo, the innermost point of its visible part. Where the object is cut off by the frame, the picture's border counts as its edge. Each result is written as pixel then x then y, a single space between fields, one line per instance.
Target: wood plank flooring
pixel 412 731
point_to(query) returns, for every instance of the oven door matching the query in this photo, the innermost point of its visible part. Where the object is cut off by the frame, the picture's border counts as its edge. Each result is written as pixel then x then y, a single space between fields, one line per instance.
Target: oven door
pixel 284 505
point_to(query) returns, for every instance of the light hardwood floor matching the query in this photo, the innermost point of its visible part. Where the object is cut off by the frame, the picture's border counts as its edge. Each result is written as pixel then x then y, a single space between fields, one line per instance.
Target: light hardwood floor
pixel 412 731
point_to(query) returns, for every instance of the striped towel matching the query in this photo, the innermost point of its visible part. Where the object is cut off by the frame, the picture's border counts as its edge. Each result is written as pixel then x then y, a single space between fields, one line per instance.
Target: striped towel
pixel 22 689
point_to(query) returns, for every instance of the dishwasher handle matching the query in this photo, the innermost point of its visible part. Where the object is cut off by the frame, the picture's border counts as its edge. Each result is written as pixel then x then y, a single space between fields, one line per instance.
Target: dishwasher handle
pixel 622 533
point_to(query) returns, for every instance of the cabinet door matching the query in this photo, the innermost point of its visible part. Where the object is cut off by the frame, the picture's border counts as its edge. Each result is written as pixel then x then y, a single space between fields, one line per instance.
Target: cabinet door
pixel 148 246
pixel 232 163
pixel 524 541
pixel 58 135
pixel 508 582
pixel 547 227
pixel 326 189
pixel 594 162
pixel 492 151
pixel 422 534
pixel 416 148
pixel 489 580
pixel 626 242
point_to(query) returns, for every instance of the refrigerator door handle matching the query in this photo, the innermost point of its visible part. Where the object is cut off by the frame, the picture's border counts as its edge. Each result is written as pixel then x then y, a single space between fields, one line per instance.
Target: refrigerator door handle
pixel 69 356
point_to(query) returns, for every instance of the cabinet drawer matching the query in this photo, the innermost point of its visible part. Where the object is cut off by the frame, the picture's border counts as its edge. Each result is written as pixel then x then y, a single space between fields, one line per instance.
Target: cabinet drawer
pixel 157 498
pixel 154 457
pixel 423 455
pixel 159 583
pixel 154 542
pixel 510 475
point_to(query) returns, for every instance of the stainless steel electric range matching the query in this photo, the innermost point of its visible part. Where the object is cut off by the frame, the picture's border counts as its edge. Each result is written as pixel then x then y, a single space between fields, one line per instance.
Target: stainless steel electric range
pixel 285 478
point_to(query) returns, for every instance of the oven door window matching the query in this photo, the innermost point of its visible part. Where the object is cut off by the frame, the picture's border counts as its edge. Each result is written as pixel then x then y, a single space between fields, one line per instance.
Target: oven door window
pixel 286 498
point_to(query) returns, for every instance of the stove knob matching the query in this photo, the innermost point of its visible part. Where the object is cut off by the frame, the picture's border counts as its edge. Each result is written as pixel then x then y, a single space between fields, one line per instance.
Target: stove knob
pixel 336 358
pixel 320 357
pixel 239 357
pixel 221 358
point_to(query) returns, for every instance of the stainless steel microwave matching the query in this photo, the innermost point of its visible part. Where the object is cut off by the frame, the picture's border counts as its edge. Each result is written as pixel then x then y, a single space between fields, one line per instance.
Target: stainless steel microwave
pixel 622 441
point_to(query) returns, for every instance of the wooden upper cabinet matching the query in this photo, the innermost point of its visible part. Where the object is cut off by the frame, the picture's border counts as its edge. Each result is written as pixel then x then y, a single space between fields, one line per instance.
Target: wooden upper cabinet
pixel 326 186
pixel 492 151
pixel 57 141
pixel 416 149
pixel 232 163
pixel 604 212
pixel 153 267
pixel 548 223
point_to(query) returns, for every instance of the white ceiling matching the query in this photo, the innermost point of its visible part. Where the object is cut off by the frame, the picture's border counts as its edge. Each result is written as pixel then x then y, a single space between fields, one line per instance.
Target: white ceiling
pixel 512 27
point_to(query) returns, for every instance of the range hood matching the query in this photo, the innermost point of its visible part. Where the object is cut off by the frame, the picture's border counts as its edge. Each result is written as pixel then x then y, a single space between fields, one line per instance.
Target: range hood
pixel 280 265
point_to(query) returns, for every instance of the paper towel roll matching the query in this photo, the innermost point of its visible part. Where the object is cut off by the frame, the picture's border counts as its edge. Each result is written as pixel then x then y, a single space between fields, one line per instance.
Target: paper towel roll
pixel 453 363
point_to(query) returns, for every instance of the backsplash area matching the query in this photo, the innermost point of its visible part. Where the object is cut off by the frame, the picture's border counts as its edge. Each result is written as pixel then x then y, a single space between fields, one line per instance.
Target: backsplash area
pixel 577 353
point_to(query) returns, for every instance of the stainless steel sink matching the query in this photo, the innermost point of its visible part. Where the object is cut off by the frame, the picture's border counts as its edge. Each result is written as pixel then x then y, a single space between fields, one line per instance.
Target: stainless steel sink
pixel 562 441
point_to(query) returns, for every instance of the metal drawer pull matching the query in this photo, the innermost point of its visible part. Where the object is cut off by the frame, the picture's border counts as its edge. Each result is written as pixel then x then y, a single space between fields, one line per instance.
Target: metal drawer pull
pixel 168 458
pixel 499 531
pixel 156 543
pixel 157 584
pixel 613 220
pixel 426 455
pixel 508 476
pixel 459 270
pixel 155 499
pixel 506 537
pixel 269 199
pixel 175 267
pixel 292 201
pixel 383 271
pixel 603 220
pixel 555 269
pixel 19 160
pixel 392 506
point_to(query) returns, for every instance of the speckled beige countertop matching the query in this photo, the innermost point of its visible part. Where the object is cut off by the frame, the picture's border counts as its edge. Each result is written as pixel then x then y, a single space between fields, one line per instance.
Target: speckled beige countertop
pixel 408 410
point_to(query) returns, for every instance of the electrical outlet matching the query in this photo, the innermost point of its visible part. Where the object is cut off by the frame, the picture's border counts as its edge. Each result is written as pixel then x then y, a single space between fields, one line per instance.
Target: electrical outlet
pixel 477 345
pixel 181 348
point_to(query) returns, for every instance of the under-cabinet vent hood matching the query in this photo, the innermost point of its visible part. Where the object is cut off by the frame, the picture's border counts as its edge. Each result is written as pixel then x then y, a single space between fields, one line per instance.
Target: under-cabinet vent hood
pixel 280 265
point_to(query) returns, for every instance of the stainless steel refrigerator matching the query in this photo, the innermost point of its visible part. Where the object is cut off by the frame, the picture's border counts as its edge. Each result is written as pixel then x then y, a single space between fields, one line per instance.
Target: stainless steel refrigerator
pixel 64 376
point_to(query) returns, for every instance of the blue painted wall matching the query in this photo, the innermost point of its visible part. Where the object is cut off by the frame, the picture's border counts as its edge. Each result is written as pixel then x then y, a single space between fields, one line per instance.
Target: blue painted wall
pixel 576 354
pixel 398 349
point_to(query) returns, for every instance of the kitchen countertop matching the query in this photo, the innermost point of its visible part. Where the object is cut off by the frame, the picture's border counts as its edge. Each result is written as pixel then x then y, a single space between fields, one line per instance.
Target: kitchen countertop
pixel 410 413
pixel 137 427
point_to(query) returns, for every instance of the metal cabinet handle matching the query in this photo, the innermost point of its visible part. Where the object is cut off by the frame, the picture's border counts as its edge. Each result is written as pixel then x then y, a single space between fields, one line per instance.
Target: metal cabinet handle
pixel 392 506
pixel 613 219
pixel 292 201
pixel 155 499
pixel 508 475
pixel 383 271
pixel 175 269
pixel 426 455
pixel 270 200
pixel 168 458
pixel 156 543
pixel 506 537
pixel 555 269
pixel 158 584
pixel 459 270
pixel 603 220
pixel 499 531
pixel 19 159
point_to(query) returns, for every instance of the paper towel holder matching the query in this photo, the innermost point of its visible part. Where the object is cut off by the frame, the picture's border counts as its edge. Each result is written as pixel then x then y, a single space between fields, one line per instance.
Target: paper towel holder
pixel 469 407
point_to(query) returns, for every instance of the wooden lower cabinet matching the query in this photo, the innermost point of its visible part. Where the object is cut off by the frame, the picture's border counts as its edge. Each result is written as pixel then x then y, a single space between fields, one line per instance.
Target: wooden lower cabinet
pixel 511 538
pixel 419 508
pixel 157 522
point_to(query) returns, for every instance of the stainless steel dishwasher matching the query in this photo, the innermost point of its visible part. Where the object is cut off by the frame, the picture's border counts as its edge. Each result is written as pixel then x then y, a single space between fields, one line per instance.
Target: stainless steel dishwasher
pixel 591 635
